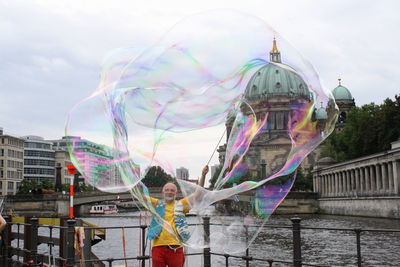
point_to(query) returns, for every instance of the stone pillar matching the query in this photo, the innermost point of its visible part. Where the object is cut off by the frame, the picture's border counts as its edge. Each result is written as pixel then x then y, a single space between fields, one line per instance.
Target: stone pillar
pixel 340 183
pixel 326 185
pixel 346 183
pixel 367 180
pixel 348 172
pixel 357 182
pixel 343 183
pixel 390 178
pixel 320 185
pixel 343 178
pixel 330 184
pixel 384 178
pixel 314 183
pixel 353 182
pixel 362 180
pixel 373 179
pixel 335 184
pixel 396 177
pixel 378 178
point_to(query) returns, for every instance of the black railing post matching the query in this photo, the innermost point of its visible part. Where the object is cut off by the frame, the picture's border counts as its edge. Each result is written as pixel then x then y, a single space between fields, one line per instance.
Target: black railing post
pixel 296 241
pixel 206 251
pixel 70 242
pixel 143 228
pixel 34 239
pixel 358 233
pixel 87 247
pixel 247 245
pixel 7 242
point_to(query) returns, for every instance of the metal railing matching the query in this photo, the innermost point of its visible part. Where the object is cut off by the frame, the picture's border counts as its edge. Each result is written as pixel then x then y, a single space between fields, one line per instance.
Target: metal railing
pixel 63 238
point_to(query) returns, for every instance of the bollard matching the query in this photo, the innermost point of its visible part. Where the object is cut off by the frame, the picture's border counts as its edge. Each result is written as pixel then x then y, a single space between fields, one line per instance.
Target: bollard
pixel 206 251
pixel 70 242
pixel 296 241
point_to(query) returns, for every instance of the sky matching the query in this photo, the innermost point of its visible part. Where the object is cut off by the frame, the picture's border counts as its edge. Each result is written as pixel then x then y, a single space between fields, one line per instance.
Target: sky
pixel 51 51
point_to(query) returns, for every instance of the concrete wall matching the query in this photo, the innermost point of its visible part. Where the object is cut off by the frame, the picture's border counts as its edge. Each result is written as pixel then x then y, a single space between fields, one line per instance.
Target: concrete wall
pixel 385 207
pixel 297 206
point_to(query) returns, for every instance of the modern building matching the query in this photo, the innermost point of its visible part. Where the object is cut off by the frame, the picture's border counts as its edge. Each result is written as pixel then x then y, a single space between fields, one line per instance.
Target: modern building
pixel 11 163
pixel 39 159
pixel 95 161
pixel 182 173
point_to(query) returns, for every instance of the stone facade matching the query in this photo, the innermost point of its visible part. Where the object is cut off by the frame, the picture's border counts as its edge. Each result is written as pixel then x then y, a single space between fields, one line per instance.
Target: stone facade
pixel 11 163
pixel 366 186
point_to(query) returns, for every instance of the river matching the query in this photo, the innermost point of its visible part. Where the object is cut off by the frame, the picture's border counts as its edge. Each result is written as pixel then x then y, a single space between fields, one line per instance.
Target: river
pixel 324 247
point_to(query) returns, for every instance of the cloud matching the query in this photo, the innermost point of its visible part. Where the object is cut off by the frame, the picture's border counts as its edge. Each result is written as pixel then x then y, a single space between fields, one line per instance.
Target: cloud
pixel 51 50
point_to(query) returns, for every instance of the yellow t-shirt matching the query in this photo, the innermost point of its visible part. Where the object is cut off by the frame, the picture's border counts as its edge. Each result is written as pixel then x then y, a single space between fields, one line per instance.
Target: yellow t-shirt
pixel 166 238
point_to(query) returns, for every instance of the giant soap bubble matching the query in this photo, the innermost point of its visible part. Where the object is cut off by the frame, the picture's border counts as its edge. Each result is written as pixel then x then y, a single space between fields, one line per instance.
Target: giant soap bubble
pixel 156 104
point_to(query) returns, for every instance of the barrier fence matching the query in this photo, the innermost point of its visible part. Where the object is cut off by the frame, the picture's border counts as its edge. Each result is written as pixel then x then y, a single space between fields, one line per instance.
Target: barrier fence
pixel 20 247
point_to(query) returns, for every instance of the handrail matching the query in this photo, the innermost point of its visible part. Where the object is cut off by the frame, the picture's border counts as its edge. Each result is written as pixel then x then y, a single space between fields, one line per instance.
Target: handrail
pixel 67 235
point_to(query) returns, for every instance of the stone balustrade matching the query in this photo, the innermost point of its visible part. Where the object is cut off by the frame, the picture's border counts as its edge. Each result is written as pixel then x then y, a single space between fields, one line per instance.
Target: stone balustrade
pixel 371 176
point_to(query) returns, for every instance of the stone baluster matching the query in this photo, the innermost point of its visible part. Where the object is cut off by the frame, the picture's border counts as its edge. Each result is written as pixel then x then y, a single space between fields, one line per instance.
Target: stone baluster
pixel 390 178
pixel 367 180
pixel 396 177
pixel 357 182
pixel 347 183
pixel 373 179
pixel 384 179
pixel 378 177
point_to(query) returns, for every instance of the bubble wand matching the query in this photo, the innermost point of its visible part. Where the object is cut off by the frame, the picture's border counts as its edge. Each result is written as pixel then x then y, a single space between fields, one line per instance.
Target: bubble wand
pixel 215 149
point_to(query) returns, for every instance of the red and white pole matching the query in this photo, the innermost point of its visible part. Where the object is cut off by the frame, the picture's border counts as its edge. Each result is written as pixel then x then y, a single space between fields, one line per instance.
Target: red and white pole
pixel 71 199
pixel 72 170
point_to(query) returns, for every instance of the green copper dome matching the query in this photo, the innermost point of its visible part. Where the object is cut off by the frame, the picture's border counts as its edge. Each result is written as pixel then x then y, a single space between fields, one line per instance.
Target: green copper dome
pixel 342 93
pixel 321 114
pixel 276 80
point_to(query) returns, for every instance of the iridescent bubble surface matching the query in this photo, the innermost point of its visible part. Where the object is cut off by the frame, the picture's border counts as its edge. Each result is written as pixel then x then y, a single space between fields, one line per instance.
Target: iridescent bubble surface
pixel 197 77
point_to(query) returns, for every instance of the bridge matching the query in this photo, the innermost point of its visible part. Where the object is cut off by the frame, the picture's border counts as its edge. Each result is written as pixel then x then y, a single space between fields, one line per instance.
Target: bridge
pixel 57 204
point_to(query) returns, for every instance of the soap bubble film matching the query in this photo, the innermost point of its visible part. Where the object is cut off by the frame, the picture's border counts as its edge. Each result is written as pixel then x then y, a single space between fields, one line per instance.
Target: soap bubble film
pixel 219 68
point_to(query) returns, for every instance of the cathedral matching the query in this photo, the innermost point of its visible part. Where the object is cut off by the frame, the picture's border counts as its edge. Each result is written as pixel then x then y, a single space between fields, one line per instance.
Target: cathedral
pixel 274 89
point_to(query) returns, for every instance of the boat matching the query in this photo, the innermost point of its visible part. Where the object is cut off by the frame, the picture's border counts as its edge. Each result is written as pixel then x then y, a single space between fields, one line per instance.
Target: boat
pixel 103 209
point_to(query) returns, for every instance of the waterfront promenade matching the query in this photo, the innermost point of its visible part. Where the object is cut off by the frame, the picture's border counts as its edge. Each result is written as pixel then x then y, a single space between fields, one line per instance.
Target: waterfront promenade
pixel 283 241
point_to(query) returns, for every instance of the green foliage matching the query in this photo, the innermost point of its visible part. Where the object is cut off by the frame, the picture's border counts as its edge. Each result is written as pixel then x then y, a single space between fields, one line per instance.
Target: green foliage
pixel 304 181
pixel 156 177
pixel 28 186
pixel 369 129
pixel 82 188
pixel 65 187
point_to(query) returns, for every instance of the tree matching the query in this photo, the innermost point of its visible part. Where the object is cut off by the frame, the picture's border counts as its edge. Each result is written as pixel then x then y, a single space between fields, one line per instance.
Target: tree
pixel 303 182
pixel 28 186
pixel 156 177
pixel 369 129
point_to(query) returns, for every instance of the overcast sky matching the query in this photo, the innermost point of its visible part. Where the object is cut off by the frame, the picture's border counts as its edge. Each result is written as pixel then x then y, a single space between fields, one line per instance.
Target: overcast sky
pixel 51 51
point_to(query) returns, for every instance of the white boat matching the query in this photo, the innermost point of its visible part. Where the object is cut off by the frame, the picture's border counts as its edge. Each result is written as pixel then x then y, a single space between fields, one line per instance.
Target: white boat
pixel 103 209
